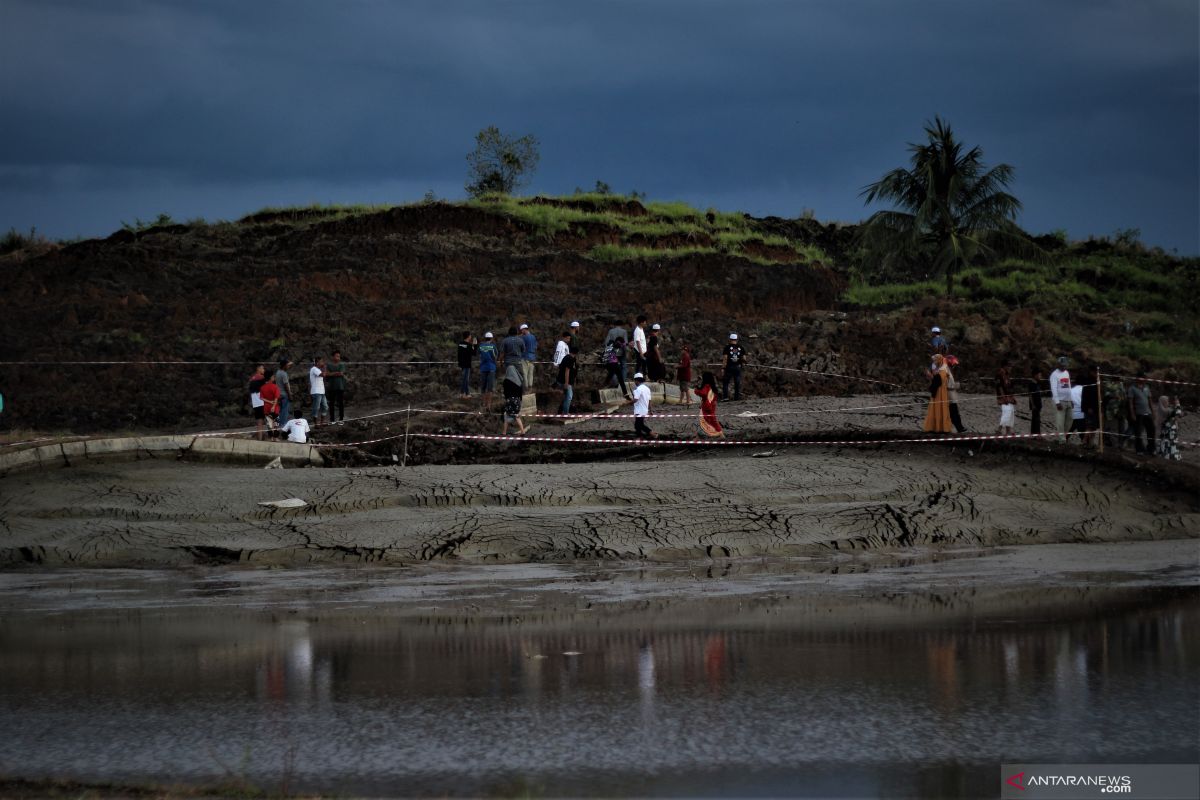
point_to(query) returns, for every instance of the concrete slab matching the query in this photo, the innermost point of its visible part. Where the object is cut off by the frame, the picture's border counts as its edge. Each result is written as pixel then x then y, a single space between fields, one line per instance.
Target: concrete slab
pixel 135 447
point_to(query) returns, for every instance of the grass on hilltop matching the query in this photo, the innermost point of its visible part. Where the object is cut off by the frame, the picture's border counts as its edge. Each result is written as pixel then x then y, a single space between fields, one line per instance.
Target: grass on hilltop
pixel 730 232
pixel 1143 296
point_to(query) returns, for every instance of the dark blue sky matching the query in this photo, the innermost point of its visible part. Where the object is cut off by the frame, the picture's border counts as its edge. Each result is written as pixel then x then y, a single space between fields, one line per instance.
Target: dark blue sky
pixel 117 109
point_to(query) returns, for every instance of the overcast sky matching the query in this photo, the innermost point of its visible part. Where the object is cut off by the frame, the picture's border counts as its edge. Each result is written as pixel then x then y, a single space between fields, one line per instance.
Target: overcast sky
pixel 120 109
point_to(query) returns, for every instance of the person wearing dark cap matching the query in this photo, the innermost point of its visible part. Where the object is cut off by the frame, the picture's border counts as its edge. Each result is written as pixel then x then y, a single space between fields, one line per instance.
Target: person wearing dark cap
pixel 1141 410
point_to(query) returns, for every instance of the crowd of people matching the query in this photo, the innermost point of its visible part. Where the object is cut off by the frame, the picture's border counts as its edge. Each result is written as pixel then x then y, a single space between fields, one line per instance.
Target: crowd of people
pixel 1087 409
pixel 516 355
pixel 1120 413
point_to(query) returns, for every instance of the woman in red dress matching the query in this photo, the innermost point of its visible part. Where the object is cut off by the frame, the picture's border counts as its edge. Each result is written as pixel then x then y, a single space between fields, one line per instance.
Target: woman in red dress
pixel 708 406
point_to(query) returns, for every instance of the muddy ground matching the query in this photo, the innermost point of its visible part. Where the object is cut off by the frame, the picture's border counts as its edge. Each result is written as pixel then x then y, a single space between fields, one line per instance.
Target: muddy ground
pixel 661 505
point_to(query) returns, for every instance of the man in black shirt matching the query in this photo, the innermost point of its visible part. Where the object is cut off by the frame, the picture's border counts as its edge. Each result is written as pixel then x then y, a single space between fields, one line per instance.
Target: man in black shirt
pixel 466 355
pixel 566 376
pixel 1036 387
pixel 731 367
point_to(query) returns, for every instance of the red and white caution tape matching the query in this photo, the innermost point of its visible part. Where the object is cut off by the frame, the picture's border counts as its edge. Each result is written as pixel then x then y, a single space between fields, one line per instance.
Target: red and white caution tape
pixel 1150 380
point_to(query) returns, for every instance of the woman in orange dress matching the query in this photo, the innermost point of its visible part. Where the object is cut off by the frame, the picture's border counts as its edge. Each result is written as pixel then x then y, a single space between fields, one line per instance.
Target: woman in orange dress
pixel 708 406
pixel 937 418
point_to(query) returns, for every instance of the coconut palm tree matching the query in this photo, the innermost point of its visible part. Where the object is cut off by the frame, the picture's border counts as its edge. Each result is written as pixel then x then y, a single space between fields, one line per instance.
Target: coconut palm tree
pixel 949 207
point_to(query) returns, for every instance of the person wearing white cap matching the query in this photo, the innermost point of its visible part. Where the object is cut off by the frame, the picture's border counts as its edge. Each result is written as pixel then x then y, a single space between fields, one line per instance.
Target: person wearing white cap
pixel 654 358
pixel 641 407
pixel 734 355
pixel 939 343
pixel 530 356
pixel 487 369
pixel 573 345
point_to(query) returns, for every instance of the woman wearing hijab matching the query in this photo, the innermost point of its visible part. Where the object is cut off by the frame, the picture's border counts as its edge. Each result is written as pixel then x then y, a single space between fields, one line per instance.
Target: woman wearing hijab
pixel 952 394
pixel 708 406
pixel 1168 432
pixel 937 418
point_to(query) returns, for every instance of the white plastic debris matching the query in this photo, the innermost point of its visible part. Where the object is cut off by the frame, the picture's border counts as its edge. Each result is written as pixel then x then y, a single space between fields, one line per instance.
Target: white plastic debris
pixel 763 454
pixel 291 502
pixel 275 463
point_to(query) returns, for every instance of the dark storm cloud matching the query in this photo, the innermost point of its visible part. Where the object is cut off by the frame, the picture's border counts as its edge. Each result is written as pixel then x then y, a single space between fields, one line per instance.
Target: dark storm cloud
pixel 119 109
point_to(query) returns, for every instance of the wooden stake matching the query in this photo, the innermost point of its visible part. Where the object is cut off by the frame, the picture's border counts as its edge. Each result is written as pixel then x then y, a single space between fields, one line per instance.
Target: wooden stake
pixel 1100 404
pixel 407 417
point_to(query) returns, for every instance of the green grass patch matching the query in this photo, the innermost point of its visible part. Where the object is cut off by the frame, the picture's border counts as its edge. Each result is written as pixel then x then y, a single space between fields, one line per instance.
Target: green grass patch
pixel 609 254
pixel 1154 353
pixel 891 294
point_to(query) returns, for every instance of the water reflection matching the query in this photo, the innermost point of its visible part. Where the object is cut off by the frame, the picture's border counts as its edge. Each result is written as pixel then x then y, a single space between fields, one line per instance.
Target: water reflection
pixel 588 704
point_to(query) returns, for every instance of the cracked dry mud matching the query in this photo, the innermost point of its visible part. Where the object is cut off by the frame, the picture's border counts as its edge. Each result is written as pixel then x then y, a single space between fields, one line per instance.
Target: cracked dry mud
pixel 814 502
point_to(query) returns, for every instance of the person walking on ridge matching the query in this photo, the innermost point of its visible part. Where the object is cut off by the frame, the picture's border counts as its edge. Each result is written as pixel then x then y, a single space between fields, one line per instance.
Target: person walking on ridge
pixel 513 395
pixel 641 407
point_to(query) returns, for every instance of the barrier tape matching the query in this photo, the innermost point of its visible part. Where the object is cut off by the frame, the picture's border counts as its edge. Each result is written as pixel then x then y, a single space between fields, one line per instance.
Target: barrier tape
pixel 729 442
pixel 1149 380
pixel 714 442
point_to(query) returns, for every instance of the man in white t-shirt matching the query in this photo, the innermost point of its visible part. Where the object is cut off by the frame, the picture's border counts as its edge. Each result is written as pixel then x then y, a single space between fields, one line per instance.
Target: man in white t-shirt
pixel 639 345
pixel 641 407
pixel 561 351
pixel 1060 395
pixel 316 388
pixel 296 430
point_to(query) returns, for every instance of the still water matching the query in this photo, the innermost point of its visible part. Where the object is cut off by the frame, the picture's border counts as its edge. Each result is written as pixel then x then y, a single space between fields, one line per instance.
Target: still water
pixel 680 702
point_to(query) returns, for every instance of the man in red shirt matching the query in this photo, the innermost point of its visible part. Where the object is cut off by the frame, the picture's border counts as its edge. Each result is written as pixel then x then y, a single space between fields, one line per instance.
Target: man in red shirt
pixel 270 398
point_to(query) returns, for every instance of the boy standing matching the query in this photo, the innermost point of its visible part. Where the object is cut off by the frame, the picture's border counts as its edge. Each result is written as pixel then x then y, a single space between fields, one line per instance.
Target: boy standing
pixel 641 407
